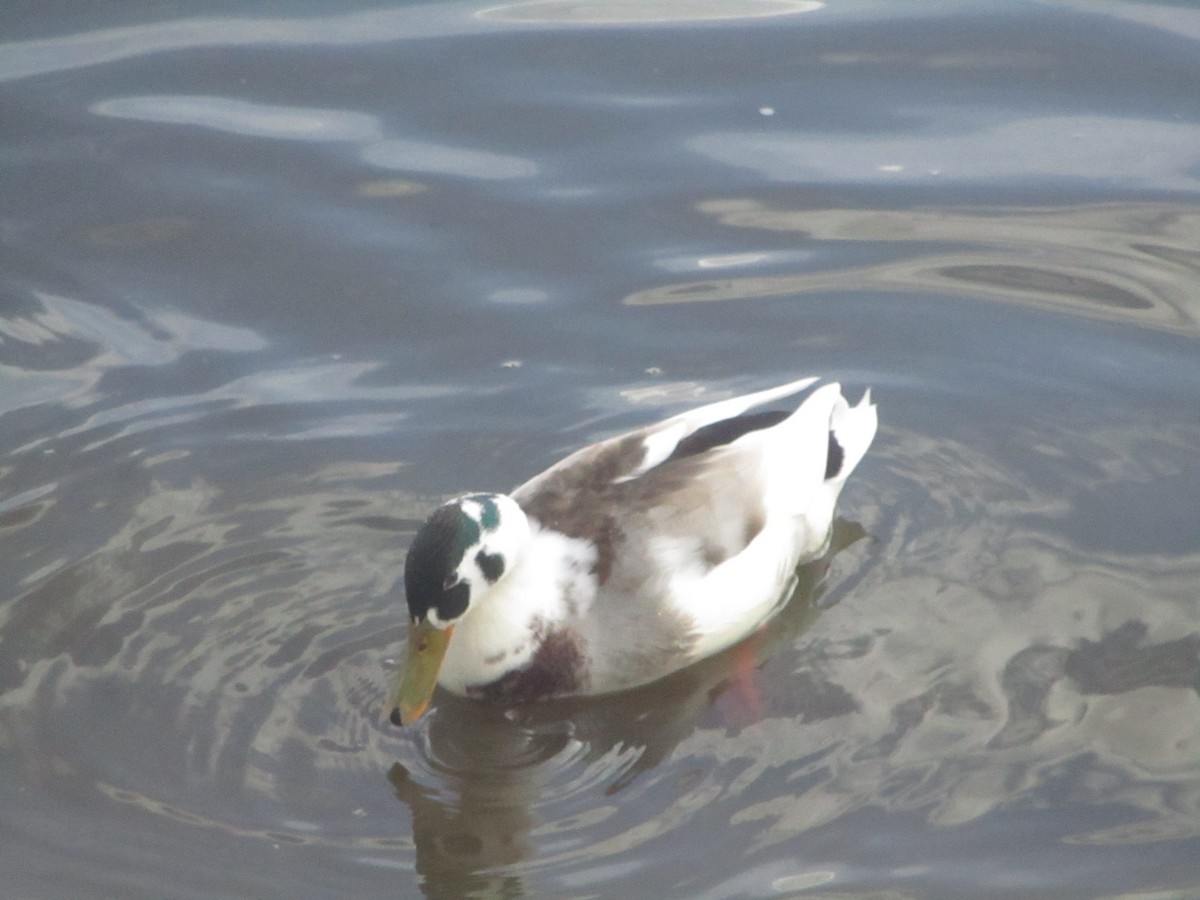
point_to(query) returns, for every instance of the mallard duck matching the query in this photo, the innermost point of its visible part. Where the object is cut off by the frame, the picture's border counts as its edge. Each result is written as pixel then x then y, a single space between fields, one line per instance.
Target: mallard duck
pixel 632 557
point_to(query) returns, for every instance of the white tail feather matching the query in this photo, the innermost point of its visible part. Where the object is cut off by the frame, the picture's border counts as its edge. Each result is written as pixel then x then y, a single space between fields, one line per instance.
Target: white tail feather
pixel 665 437
pixel 854 428
pixel 735 406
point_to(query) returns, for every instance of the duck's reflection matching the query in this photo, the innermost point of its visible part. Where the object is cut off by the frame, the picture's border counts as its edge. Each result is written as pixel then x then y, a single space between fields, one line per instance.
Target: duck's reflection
pixel 503 783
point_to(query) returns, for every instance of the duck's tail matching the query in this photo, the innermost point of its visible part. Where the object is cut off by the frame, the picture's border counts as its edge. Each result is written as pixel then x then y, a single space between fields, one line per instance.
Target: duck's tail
pixel 851 430
pixel 825 439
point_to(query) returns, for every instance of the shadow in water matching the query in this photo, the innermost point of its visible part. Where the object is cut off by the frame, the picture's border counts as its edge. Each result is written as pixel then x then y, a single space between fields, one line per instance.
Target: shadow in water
pixel 499 777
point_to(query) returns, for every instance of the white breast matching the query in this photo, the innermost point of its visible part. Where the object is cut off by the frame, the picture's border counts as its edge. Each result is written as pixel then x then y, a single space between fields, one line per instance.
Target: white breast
pixel 549 584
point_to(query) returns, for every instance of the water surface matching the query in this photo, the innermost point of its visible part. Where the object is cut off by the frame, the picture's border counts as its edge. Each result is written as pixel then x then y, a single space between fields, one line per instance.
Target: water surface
pixel 274 283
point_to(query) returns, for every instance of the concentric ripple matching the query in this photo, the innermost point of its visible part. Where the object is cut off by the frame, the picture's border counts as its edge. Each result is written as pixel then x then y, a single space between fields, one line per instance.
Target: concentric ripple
pixel 221 663
pixel 204 627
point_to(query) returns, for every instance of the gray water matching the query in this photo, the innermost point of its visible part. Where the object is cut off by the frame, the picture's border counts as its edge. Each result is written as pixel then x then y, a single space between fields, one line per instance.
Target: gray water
pixel 275 279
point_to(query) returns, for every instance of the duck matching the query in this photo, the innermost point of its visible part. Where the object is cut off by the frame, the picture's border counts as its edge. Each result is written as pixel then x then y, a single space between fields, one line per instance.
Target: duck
pixel 631 558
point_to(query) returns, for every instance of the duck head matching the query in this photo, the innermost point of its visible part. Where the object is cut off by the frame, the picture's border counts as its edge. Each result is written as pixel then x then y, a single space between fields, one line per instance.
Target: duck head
pixel 457 556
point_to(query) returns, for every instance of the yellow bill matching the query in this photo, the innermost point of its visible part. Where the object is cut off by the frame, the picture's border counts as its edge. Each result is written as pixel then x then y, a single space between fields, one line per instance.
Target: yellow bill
pixel 414 686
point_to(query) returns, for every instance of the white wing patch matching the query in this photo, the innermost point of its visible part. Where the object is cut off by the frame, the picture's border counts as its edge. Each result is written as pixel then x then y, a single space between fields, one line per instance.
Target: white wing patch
pixel 661 442
pixel 731 600
pixel 659 447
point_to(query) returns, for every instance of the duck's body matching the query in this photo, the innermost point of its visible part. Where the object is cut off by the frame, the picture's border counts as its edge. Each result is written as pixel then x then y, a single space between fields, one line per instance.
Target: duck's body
pixel 633 557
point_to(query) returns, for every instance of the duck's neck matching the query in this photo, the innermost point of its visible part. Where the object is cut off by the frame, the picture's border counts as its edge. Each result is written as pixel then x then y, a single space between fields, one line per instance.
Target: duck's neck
pixel 549 586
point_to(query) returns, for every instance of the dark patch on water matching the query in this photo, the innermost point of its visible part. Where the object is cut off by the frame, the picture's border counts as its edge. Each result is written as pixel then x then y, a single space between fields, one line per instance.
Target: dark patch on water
pixel 1121 661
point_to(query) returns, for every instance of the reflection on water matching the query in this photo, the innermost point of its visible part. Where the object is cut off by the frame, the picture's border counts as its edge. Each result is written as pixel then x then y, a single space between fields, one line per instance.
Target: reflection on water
pixel 273 287
pixel 608 12
pixel 29 58
pixel 1134 263
pixel 1030 147
pixel 546 783
pixel 951 664
pixel 223 627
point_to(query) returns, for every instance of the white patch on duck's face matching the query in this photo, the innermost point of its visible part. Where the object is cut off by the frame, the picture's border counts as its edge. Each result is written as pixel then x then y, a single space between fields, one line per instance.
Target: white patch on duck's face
pixel 503 530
